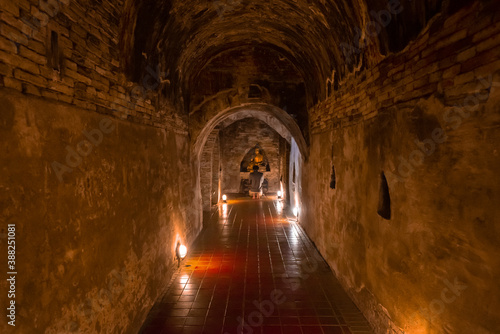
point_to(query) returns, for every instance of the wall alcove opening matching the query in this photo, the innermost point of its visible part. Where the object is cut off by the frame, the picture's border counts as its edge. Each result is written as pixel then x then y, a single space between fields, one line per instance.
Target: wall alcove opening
pixel 384 199
pixel 333 179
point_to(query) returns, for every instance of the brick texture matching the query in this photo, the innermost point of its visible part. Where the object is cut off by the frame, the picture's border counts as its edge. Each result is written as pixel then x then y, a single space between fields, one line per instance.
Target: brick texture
pixel 88 35
pixel 449 64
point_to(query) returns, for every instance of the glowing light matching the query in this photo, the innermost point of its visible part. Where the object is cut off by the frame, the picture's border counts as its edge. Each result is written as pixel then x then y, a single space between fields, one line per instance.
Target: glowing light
pixel 224 210
pixel 181 251
pixel 280 194
pixel 296 211
pixel 184 279
pixel 279 206
pixel 224 198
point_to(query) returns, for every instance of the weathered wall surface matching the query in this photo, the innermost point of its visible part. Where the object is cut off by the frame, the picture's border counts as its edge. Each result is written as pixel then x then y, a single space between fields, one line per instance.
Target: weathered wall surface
pixel 295 170
pixel 209 171
pixel 236 140
pixel 284 159
pixel 95 249
pixel 216 172
pixel 86 71
pixel 428 118
pixel 95 243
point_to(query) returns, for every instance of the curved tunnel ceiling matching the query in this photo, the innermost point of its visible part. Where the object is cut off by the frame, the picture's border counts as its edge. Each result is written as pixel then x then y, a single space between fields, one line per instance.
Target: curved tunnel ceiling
pixel 187 34
pixel 298 29
pixel 182 37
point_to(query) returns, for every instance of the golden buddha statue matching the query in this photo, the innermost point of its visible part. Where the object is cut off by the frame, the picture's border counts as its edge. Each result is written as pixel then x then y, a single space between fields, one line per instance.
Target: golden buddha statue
pixel 258 160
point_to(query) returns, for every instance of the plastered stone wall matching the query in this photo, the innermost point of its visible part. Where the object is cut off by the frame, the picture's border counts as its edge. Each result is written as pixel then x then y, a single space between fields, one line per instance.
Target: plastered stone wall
pixel 295 170
pixel 95 250
pixel 209 170
pixel 427 117
pixel 285 148
pixel 216 172
pixel 96 232
pixel 236 140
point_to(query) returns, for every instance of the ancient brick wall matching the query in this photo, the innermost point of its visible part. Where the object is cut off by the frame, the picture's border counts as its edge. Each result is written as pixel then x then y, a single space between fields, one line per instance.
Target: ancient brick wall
pixel 427 118
pixel 450 59
pixel 216 172
pixel 209 170
pixel 96 171
pixel 82 37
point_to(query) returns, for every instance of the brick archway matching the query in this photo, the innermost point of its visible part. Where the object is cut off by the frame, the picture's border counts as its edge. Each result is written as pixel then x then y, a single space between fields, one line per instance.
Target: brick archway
pixel 273 116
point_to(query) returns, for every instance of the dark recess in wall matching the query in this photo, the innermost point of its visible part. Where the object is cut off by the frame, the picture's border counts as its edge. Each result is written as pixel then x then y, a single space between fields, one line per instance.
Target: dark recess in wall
pixel 384 199
pixel 333 180
pixel 53 54
pixel 141 55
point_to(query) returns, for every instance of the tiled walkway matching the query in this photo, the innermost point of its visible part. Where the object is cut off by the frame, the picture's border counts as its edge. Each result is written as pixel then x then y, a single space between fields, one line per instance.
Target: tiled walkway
pixel 253 271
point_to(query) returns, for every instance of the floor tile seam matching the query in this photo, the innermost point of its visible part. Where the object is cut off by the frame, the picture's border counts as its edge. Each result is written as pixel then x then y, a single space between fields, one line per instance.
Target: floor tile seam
pixel 246 263
pixel 281 225
pixel 269 250
pixel 289 244
pixel 306 245
pixel 259 269
pixel 235 257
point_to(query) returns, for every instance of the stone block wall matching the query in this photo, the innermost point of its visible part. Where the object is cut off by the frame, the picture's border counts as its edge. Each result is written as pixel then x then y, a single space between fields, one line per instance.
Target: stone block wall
pixel 284 160
pixel 209 171
pixel 88 73
pixel 451 59
pixel 216 173
pixel 428 119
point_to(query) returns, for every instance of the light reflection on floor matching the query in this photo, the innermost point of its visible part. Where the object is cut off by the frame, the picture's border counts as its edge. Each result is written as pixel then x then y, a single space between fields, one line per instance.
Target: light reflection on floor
pixel 252 270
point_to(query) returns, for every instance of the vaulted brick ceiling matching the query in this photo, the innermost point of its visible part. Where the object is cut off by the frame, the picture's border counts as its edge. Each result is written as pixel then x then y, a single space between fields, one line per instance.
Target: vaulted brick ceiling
pixel 192 40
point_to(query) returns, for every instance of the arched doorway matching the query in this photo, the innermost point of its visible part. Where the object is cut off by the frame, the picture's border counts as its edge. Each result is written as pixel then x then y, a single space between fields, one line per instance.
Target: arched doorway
pixel 205 144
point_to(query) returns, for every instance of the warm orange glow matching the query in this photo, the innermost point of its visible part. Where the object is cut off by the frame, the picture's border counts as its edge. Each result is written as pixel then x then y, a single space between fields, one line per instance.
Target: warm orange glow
pixel 224 210
pixel 184 279
pixel 181 251
pixel 279 206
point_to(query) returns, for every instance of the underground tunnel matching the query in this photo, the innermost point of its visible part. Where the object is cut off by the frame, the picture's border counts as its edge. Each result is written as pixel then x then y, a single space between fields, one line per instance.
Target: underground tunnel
pixel 130 130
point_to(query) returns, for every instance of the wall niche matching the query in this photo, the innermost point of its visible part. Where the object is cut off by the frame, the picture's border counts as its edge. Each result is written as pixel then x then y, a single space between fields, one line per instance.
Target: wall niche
pixel 384 198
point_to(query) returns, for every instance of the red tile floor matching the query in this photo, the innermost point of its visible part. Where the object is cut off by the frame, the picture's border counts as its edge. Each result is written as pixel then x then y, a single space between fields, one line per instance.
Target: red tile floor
pixel 253 270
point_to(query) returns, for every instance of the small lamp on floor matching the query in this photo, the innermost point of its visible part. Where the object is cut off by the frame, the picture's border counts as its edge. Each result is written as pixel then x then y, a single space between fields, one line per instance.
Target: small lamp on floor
pixel 224 198
pixel 180 252
pixel 279 194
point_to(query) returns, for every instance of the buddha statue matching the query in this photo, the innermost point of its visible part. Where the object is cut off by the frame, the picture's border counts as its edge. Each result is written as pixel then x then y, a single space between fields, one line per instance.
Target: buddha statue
pixel 257 160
